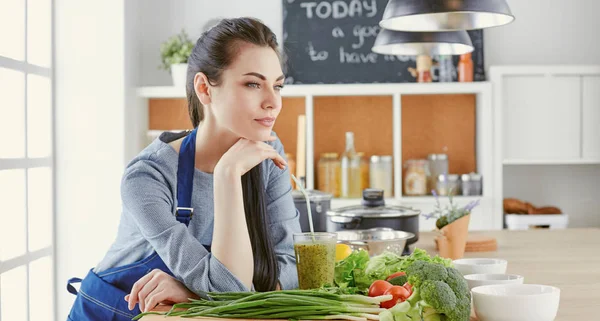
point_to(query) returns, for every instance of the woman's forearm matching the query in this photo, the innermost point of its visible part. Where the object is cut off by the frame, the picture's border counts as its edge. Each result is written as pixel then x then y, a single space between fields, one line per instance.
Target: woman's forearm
pixel 231 240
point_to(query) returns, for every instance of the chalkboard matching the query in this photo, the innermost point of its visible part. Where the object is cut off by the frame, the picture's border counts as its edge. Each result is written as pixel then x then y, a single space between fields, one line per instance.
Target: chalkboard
pixel 329 42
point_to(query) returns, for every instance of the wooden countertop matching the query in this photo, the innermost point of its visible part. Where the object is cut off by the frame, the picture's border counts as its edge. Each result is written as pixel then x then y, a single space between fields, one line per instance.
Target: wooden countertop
pixel 568 259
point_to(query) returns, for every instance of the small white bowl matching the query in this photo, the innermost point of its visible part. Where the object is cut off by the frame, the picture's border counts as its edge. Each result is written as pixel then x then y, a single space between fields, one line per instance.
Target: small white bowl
pixel 480 266
pixel 516 302
pixel 476 280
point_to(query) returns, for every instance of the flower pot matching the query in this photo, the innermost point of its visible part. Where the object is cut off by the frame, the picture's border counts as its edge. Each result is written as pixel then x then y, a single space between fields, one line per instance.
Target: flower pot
pixel 179 75
pixel 452 240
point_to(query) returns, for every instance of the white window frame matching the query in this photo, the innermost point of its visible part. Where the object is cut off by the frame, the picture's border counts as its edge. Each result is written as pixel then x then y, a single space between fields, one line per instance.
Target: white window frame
pixel 36 162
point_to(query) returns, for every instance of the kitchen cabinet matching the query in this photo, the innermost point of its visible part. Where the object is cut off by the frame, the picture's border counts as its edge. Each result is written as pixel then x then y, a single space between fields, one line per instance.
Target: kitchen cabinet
pixel 591 117
pixel 548 114
pixel 541 117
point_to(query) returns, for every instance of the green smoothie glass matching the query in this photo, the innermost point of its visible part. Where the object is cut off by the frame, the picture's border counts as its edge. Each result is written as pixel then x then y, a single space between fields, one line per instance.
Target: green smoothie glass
pixel 315 259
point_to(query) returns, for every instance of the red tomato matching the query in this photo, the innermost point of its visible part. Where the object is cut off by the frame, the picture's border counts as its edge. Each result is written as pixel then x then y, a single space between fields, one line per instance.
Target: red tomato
pixel 408 287
pixel 378 288
pixel 395 275
pixel 399 294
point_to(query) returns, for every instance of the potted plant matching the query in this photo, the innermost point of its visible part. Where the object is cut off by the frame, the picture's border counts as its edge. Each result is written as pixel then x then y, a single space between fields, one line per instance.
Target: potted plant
pixel 452 223
pixel 174 54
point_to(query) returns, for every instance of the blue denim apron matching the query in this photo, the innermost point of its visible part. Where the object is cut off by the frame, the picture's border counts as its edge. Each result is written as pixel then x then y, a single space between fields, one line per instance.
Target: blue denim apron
pixel 102 296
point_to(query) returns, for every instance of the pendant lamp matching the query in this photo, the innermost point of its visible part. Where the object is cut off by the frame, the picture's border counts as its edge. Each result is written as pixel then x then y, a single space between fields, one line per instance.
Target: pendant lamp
pixel 445 15
pixel 391 42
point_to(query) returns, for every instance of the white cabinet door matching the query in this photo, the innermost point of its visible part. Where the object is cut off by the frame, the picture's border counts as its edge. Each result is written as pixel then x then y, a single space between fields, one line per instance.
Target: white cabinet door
pixel 541 117
pixel 591 118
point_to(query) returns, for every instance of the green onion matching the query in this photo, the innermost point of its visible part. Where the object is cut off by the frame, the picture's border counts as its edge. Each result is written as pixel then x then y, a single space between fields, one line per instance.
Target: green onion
pixel 290 304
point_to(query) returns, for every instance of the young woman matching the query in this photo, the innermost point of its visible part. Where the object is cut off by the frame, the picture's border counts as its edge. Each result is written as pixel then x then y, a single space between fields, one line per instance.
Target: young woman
pixel 208 209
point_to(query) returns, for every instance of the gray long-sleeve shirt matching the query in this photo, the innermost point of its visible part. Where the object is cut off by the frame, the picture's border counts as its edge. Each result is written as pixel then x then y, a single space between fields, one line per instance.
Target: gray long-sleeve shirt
pixel 149 196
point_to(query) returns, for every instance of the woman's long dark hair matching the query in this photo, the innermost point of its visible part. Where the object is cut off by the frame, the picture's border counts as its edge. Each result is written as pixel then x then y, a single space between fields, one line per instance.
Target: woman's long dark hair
pixel 215 50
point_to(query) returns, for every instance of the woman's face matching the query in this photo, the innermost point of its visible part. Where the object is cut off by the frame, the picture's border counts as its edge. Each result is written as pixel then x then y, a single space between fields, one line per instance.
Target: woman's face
pixel 247 101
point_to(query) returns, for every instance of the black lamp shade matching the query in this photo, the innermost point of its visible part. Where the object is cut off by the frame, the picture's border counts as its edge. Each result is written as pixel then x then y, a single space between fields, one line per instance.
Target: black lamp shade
pixel 445 15
pixel 390 42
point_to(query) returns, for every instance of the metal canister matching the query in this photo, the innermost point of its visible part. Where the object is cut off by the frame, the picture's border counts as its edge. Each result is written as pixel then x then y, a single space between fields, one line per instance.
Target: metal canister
pixel 381 175
pixel 471 184
pixel 438 165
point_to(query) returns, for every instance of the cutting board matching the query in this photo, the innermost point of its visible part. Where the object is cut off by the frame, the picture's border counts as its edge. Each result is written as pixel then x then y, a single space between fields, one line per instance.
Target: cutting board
pixel 163 308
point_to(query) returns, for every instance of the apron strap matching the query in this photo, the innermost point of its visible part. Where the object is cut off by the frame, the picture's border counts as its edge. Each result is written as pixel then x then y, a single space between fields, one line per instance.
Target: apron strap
pixel 70 286
pixel 185 178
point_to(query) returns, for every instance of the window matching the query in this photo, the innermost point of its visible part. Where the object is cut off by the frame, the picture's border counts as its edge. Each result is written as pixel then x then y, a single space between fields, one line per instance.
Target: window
pixel 26 161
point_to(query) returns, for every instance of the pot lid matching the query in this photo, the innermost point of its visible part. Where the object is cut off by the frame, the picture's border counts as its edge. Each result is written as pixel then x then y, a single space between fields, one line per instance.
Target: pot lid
pixel 313 195
pixel 373 206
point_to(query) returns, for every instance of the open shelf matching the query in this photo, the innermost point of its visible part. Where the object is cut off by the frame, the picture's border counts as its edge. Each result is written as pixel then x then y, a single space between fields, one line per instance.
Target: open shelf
pixel 551 161
pixel 443 199
pixel 342 89
pixel 406 120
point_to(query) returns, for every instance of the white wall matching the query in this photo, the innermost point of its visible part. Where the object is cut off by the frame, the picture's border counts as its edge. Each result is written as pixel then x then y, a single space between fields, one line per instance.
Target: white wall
pixel 162 19
pixel 90 104
pixel 546 32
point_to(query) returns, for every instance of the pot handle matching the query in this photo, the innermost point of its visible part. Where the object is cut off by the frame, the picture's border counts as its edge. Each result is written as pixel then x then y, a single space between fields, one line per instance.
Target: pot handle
pixel 347 222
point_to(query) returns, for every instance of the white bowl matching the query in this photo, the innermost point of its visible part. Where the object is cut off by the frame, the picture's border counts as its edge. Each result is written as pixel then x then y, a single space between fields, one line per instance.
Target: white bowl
pixel 480 266
pixel 476 280
pixel 516 302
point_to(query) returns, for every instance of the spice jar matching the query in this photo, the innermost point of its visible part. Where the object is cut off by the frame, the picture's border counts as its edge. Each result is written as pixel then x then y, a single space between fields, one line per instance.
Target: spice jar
pixel 291 167
pixel 328 174
pixel 415 177
pixel 471 184
pixel 381 175
pixel 465 68
pixel 448 185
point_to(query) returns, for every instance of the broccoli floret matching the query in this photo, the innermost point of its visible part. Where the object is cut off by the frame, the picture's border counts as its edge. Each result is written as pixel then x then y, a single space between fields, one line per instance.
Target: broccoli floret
pixel 457 282
pixel 421 271
pixel 439 296
pixel 462 311
pixel 442 289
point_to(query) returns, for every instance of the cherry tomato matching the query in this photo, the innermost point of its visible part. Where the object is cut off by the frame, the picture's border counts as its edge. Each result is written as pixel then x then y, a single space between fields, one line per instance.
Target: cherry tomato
pixel 395 275
pixel 378 288
pixel 399 294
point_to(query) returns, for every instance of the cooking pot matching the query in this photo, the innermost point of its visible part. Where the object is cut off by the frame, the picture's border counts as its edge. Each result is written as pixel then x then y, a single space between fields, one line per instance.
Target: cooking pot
pixel 373 213
pixel 320 202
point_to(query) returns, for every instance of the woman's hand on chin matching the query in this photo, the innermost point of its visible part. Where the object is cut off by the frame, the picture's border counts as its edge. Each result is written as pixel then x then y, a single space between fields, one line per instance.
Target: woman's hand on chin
pixel 246 154
pixel 157 287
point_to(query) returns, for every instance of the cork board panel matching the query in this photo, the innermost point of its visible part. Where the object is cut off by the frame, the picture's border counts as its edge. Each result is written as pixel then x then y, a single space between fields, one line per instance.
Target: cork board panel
pixel 168 114
pixel 440 124
pixel 369 117
pixel 286 125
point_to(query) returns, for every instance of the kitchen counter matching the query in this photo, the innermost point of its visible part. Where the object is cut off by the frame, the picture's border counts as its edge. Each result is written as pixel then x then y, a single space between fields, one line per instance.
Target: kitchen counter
pixel 567 259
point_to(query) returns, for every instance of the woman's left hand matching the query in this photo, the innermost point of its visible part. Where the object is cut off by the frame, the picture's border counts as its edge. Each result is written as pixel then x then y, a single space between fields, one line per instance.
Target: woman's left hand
pixel 157 287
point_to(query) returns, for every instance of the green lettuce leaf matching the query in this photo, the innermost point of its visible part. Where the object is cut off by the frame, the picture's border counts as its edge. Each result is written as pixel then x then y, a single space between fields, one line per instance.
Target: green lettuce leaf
pixel 350 268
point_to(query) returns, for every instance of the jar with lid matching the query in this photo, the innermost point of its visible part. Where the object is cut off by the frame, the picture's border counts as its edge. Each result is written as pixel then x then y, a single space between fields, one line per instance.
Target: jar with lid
pixel 471 184
pixel 328 174
pixel 415 177
pixel 448 185
pixel 381 175
pixel 438 165
pixel 292 167
pixel 364 171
